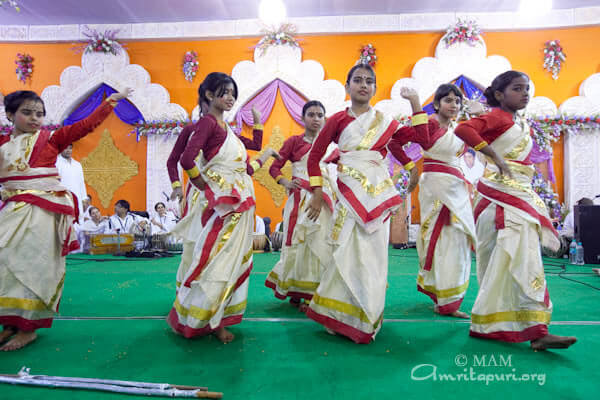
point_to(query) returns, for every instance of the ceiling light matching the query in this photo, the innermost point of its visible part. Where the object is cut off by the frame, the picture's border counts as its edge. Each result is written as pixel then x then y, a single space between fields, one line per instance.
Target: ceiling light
pixel 531 7
pixel 272 12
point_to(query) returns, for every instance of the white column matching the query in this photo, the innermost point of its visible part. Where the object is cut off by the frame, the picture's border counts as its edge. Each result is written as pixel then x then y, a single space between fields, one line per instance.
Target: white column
pixel 582 165
pixel 157 176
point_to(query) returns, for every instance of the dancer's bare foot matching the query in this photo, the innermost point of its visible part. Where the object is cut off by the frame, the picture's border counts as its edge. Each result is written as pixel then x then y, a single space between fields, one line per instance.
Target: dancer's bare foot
pixel 460 314
pixel 7 333
pixel 596 270
pixel 303 308
pixel 553 342
pixel 457 314
pixel 224 335
pixel 20 340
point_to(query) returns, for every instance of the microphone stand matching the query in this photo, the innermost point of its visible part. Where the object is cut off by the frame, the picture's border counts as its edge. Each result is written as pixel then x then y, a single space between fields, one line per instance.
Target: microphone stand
pixel 118 253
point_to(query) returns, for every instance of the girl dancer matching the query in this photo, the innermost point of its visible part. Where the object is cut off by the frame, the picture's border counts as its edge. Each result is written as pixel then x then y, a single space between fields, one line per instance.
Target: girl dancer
pixel 306 250
pixel 36 217
pixel 351 296
pixel 513 303
pixel 214 289
pixel 447 228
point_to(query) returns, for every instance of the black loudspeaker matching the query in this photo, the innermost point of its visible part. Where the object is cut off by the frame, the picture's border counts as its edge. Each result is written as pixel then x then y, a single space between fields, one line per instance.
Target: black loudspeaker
pixel 587 231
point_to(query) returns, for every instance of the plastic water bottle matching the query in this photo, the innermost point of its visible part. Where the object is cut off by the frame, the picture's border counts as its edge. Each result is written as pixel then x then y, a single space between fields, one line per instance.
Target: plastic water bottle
pixel 573 252
pixel 579 257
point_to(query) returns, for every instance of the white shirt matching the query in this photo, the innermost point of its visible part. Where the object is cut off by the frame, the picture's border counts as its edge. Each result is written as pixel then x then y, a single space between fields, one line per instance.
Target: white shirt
pixel 168 222
pixel 86 214
pixel 259 225
pixel 91 228
pixel 568 228
pixel 71 177
pixel 129 224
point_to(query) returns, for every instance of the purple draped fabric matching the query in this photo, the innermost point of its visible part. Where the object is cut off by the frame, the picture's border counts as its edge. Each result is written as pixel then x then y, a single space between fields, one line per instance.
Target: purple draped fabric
pixel 264 102
pixel 538 155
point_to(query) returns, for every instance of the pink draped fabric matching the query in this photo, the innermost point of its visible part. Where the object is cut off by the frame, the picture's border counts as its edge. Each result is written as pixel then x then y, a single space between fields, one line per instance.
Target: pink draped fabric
pixel 264 102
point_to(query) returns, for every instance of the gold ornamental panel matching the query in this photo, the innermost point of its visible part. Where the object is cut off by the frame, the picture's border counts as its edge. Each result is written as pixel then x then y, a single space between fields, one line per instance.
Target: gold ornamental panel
pixel 107 168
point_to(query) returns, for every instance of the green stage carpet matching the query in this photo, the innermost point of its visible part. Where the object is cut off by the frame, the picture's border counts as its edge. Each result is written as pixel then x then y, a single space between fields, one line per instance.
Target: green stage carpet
pixel 279 354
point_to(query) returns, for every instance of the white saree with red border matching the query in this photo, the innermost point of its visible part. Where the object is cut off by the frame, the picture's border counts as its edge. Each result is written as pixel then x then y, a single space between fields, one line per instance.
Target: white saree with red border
pixel 512 221
pixel 306 250
pixel 447 228
pixel 351 297
pixel 37 233
pixel 214 289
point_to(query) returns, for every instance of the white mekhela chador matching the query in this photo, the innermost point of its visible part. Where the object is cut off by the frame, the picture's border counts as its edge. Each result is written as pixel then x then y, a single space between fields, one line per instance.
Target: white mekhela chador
pixel 351 297
pixel 513 303
pixel 306 250
pixel 213 291
pixel 36 223
pixel 447 228
pixel 192 205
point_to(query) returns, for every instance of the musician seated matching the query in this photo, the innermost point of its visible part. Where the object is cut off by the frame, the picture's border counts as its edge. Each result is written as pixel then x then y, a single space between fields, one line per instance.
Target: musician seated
pixel 163 221
pixel 124 221
pixel 97 224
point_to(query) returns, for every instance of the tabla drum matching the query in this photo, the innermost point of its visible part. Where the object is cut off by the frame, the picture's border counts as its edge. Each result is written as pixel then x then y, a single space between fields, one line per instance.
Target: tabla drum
pixel 159 241
pixel 259 242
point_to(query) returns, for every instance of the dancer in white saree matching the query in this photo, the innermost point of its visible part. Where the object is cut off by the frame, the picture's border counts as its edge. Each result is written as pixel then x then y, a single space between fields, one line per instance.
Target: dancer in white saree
pixel 214 288
pixel 37 216
pixel 513 303
pixel 351 296
pixel 306 250
pixel 447 228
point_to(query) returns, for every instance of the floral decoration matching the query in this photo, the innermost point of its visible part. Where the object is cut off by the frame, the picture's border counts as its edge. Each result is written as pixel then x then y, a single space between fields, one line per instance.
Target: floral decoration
pixel 402 178
pixel 547 129
pixel 463 31
pixel 190 65
pixel 10 3
pixel 553 57
pixel 7 129
pixel 100 42
pixel 367 55
pixel 543 188
pixel 284 35
pixel 24 67
pixel 164 127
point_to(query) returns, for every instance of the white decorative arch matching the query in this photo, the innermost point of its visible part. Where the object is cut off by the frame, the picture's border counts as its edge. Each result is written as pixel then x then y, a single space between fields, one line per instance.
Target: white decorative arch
pixel 77 83
pixel 449 63
pixel 582 150
pixel 151 99
pixel 285 63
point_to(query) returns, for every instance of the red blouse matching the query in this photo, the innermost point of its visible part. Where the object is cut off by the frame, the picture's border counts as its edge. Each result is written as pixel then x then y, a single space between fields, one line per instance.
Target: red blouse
pixel 177 151
pixel 293 149
pixel 48 147
pixel 209 137
pixel 479 132
pixel 337 123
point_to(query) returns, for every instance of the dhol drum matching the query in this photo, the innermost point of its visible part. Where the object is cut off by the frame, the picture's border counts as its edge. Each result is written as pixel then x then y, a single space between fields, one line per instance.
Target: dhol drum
pixel 259 242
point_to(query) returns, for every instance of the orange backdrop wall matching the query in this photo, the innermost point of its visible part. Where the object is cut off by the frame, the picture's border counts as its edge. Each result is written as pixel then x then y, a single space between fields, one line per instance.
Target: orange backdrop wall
pixel 397 54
